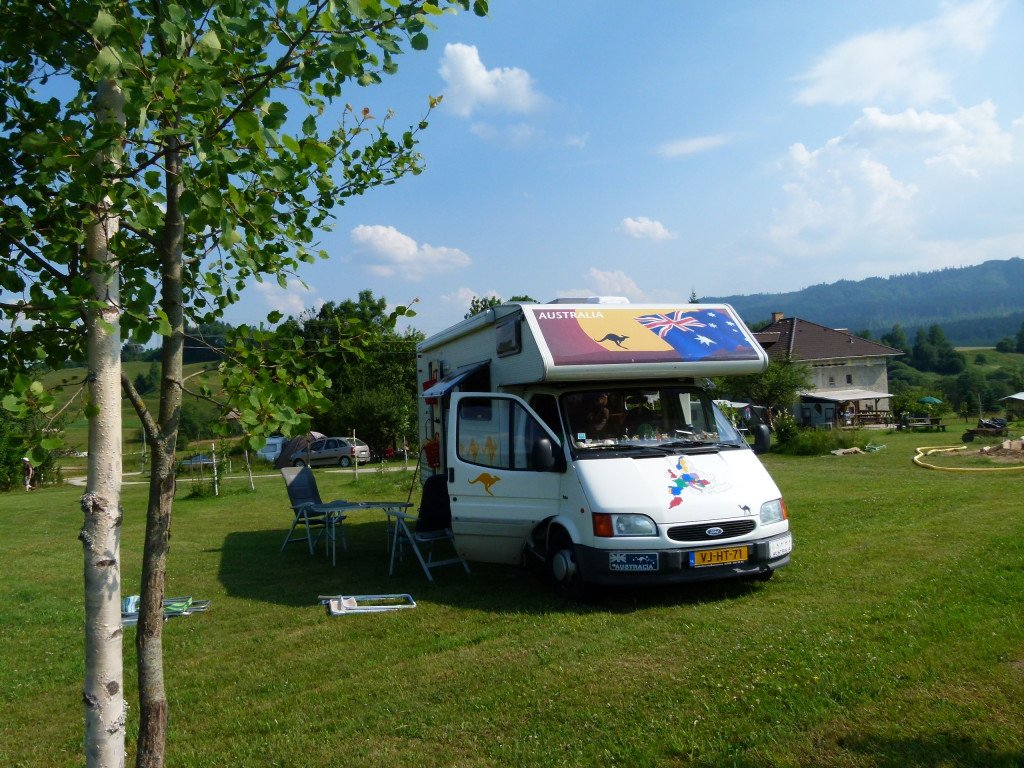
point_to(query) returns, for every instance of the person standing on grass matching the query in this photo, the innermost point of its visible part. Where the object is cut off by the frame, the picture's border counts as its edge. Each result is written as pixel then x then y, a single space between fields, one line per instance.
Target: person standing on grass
pixel 27 473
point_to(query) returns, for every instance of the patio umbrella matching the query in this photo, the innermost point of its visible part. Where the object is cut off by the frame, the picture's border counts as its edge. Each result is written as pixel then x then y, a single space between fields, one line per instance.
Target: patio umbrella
pixel 929 400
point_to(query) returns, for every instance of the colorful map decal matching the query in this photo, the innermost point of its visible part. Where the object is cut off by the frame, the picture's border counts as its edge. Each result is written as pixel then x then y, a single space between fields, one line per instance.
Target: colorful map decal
pixel 684 479
pixel 622 335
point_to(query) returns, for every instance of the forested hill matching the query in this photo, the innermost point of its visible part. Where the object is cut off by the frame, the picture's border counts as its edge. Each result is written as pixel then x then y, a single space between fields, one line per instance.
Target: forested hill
pixel 976 306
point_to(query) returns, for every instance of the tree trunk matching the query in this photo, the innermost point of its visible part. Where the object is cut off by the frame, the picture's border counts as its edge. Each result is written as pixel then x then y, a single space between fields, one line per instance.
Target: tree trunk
pixel 103 691
pixel 149 638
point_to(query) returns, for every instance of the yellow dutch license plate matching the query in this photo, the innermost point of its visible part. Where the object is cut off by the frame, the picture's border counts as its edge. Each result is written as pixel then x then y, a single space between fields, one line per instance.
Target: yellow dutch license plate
pixel 723 556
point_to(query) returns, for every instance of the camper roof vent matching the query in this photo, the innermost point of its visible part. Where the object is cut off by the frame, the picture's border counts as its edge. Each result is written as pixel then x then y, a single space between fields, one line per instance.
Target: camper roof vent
pixel 592 300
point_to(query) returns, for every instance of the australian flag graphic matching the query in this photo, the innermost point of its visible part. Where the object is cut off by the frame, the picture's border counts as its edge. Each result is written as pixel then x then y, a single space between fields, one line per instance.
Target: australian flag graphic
pixel 698 334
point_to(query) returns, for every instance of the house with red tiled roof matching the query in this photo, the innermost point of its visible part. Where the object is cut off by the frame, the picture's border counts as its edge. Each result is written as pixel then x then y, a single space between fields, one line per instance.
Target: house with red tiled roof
pixel 849 373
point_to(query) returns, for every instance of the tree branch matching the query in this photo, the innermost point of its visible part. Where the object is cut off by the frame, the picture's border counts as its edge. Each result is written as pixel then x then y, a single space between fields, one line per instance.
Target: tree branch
pixel 148 422
pixel 140 233
pixel 81 388
pixel 38 260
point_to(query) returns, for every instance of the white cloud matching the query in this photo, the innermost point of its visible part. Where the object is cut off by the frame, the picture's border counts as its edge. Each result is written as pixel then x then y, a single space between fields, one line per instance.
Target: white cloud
pixel 578 141
pixel 968 140
pixel 389 253
pixel 836 195
pixel 292 300
pixel 686 147
pixel 614 283
pixel 463 296
pixel 510 135
pixel 643 228
pixel 901 63
pixel 472 86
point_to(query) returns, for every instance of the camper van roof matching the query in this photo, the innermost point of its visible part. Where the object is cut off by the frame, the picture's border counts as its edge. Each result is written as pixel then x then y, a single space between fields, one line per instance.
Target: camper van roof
pixel 596 339
pixel 592 300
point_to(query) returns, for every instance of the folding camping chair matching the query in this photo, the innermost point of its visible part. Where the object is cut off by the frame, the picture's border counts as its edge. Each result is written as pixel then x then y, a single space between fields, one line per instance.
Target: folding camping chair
pixel 311 512
pixel 433 524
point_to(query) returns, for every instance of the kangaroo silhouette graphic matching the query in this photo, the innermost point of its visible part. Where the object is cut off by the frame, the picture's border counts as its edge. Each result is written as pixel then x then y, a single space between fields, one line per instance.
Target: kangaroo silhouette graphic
pixel 614 337
pixel 486 480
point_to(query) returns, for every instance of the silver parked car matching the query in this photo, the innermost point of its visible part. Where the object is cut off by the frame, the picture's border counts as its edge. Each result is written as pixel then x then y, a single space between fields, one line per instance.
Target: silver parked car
pixel 331 451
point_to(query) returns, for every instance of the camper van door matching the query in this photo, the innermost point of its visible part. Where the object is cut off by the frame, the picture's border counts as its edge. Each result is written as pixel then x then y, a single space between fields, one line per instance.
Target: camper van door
pixel 498 487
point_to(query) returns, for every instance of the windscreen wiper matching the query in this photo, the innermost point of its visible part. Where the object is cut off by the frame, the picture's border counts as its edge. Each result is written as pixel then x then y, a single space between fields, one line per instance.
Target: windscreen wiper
pixel 694 446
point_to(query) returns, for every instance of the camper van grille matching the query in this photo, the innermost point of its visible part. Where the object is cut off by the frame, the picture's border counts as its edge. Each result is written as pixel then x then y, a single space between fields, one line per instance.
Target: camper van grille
pixel 700 532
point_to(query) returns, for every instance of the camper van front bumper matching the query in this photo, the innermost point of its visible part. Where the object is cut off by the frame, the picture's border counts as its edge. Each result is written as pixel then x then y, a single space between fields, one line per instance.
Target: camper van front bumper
pixel 669 566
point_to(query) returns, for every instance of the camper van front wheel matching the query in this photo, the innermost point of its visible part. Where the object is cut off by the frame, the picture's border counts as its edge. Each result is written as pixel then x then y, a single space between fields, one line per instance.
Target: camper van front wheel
pixel 563 570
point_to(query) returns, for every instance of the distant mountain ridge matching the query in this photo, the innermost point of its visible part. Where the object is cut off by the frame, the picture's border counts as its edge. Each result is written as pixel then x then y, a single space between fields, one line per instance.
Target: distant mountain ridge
pixel 975 306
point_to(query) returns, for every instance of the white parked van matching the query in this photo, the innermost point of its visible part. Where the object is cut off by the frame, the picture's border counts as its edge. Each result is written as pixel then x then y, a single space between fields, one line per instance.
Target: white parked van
pixel 584 434
pixel 272 448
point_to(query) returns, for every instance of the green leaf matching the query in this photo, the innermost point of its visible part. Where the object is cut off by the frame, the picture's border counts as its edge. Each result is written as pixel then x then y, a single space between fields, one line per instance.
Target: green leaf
pixel 208 46
pixel 176 14
pixel 103 24
pixel 419 42
pixel 108 62
pixel 163 325
pixel 246 124
pixel 35 143
pixel 276 115
pixel 14 405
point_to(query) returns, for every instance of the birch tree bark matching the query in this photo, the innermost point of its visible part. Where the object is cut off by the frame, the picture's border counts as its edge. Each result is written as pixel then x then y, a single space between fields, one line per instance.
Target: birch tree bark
pixel 163 438
pixel 103 693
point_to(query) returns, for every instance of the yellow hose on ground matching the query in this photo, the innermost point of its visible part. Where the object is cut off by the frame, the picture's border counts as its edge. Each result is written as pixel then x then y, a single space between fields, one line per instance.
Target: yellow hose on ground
pixel 928 451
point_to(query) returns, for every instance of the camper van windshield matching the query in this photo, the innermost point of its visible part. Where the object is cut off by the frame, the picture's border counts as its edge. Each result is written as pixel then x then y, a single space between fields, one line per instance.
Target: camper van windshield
pixel 647 419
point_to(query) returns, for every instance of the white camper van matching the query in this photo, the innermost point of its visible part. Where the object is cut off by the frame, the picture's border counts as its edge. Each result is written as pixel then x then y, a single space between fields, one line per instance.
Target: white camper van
pixel 584 433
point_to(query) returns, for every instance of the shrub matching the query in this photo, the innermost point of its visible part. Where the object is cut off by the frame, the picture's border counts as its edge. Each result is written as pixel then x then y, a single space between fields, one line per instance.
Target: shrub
pixel 817 442
pixel 785 427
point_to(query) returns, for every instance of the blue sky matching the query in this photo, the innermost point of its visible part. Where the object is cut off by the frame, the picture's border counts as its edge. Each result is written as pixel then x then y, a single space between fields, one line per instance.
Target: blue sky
pixel 653 148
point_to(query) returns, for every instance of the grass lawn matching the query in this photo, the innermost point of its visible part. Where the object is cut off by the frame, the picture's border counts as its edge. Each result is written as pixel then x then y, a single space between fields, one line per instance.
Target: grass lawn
pixel 895 638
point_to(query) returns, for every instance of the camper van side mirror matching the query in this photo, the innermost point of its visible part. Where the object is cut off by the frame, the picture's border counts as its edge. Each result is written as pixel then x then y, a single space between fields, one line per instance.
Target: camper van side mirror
pixel 762 438
pixel 544 458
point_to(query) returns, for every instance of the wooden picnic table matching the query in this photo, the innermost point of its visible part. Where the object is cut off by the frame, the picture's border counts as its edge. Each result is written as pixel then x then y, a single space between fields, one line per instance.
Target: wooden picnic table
pixel 871 417
pixel 932 424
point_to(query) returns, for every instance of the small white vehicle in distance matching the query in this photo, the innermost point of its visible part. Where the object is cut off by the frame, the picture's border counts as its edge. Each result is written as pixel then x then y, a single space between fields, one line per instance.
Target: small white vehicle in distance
pixel 272 449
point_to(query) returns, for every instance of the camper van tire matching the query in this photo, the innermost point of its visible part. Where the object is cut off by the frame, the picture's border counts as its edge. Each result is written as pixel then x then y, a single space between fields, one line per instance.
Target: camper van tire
pixel 298 463
pixel 563 568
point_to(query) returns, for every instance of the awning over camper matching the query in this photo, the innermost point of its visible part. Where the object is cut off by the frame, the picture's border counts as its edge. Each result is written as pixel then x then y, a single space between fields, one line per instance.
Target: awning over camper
pixel 450 382
pixel 844 395
pixel 1018 396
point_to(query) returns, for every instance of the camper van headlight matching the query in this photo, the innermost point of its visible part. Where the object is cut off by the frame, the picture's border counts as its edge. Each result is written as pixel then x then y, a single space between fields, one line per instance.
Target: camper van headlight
pixel 624 525
pixel 773 511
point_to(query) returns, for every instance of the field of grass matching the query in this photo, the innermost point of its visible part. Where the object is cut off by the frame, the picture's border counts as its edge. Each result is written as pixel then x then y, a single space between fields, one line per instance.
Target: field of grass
pixel 66 385
pixel 895 638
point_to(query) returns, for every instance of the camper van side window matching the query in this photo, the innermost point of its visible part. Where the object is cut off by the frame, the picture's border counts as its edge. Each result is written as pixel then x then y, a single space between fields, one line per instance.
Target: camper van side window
pixel 508 338
pixel 482 426
pixel 547 408
pixel 496 433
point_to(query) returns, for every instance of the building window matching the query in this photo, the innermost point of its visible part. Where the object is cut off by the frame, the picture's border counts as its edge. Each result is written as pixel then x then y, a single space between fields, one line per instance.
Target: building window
pixel 831 381
pixel 849 378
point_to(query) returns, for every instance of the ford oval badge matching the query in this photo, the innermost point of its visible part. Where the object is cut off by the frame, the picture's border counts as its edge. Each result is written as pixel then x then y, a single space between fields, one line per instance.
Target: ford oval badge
pixel 716 531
